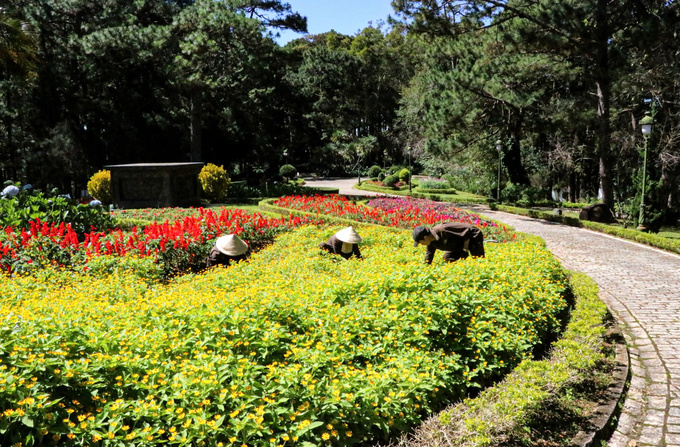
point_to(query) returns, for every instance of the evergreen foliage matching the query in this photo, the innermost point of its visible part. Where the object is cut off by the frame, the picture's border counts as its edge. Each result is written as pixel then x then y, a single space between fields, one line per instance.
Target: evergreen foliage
pixel 562 85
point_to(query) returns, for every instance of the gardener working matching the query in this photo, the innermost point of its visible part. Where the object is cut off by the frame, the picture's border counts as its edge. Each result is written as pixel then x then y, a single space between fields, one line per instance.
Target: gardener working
pixel 455 239
pixel 344 243
pixel 227 248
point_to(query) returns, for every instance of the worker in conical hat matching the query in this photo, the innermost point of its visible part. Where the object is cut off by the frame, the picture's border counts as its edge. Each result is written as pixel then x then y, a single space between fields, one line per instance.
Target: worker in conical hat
pixel 344 243
pixel 227 249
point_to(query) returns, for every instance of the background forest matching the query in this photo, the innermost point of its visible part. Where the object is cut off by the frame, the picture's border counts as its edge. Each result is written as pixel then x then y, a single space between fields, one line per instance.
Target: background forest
pixel 561 85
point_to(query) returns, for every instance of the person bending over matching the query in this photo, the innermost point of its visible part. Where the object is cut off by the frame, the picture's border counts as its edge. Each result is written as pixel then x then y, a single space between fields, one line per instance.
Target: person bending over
pixel 344 243
pixel 455 239
pixel 227 249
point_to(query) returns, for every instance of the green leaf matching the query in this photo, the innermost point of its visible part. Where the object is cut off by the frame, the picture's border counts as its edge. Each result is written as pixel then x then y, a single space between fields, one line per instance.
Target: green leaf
pixel 313 425
pixel 28 421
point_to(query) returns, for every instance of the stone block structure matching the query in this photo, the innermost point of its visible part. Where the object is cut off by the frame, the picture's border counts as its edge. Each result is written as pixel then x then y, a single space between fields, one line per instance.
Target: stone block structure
pixel 155 185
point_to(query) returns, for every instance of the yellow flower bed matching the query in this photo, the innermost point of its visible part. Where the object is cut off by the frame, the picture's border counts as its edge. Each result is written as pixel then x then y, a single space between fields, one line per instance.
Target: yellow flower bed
pixel 294 346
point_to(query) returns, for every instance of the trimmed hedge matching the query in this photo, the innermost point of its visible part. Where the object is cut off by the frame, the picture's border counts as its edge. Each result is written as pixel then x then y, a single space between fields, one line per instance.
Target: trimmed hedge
pixel 624 233
pixel 240 191
pixel 365 186
pixel 439 197
pixel 436 191
pixel 506 411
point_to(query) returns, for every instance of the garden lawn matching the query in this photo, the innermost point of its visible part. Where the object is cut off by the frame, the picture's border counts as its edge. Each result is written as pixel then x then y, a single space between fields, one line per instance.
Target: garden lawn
pixel 294 347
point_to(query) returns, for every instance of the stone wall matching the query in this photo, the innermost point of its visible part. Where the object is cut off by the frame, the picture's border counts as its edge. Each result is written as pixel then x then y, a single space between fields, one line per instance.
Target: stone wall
pixel 155 185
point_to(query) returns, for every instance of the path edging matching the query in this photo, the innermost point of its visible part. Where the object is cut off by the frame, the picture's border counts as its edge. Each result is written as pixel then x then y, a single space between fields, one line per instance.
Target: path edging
pixel 605 416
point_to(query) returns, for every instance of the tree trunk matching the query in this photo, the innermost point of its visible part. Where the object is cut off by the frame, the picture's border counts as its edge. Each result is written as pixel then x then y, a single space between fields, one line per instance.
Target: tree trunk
pixel 196 112
pixel 513 157
pixel 602 82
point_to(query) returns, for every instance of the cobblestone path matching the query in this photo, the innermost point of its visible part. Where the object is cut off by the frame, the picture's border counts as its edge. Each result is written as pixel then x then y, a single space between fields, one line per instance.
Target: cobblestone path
pixel 641 287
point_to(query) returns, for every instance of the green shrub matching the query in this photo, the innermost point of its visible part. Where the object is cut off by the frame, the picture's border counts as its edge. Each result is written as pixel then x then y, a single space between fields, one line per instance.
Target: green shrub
pixel 374 171
pixel 288 171
pixel 522 194
pixel 214 182
pixel 31 205
pixel 404 175
pixel 99 186
pixel 432 183
pixel 390 181
pixel 394 169
pixel 381 176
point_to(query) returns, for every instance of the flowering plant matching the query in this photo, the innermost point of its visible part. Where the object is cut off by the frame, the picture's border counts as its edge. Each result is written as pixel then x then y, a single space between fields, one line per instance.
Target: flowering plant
pixel 177 246
pixel 394 212
pixel 291 348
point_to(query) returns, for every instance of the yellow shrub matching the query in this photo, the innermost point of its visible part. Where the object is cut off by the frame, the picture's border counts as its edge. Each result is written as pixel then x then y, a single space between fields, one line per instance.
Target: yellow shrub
pixel 214 182
pixel 99 186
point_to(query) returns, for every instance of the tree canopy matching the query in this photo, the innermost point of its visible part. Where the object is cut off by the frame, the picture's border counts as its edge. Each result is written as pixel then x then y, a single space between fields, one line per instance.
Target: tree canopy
pixel 562 86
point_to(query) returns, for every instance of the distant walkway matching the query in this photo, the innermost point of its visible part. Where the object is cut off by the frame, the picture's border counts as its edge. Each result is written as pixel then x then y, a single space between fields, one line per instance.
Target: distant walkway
pixel 345 185
pixel 641 287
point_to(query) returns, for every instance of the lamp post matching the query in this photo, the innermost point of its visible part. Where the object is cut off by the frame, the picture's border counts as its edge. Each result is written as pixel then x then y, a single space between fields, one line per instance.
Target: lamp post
pixel 409 169
pixel 646 127
pixel 285 154
pixel 499 147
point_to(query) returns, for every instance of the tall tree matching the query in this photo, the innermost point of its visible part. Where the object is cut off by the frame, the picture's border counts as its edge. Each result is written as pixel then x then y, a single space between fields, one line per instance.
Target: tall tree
pixel 18 62
pixel 580 30
pixel 17 44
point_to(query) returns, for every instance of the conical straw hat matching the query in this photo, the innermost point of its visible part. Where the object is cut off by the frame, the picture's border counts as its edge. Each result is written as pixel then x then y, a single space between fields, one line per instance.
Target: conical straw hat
pixel 231 245
pixel 348 235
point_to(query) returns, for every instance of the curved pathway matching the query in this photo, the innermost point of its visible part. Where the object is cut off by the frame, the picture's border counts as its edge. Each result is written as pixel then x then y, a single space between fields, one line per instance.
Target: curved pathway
pixel 641 287
pixel 344 185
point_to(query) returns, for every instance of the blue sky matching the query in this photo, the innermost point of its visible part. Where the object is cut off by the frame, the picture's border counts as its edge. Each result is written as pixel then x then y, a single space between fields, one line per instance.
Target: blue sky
pixel 343 16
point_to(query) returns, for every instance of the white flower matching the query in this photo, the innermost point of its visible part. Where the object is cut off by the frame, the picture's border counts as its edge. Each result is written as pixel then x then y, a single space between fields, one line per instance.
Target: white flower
pixel 10 191
pixel 95 202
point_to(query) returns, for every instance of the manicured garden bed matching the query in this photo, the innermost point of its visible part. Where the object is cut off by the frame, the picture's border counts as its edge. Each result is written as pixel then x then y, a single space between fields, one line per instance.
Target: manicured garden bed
pixel 178 240
pixel 293 347
pixel 400 213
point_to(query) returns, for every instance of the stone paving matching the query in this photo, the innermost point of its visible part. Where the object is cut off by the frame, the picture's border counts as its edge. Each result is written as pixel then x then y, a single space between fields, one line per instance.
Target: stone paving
pixel 641 287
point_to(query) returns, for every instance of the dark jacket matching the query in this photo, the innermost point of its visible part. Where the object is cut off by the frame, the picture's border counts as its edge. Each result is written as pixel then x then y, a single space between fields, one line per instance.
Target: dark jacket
pixel 451 238
pixel 216 257
pixel 334 245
